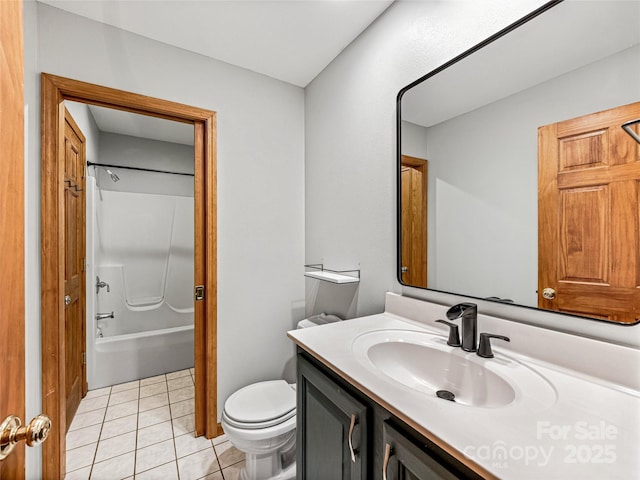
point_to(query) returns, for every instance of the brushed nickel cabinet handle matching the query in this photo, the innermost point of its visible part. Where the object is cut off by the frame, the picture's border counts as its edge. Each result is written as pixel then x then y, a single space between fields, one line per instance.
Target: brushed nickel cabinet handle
pixel 352 425
pixel 385 462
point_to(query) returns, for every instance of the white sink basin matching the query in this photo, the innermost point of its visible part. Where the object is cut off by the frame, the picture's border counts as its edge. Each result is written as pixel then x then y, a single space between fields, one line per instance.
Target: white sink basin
pixel 424 362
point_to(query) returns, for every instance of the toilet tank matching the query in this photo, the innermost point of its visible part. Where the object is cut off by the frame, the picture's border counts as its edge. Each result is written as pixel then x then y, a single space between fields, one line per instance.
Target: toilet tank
pixel 319 319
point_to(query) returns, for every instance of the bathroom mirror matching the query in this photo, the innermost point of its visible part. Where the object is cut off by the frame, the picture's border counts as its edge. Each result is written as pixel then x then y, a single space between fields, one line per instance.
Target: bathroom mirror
pixel 468 165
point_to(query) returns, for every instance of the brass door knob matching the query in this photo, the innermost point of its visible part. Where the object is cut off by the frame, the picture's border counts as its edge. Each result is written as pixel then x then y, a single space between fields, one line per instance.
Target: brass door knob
pixel 12 432
pixel 548 293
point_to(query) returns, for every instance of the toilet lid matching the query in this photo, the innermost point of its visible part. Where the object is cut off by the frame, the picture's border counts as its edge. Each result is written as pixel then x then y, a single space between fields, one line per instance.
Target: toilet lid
pixel 262 404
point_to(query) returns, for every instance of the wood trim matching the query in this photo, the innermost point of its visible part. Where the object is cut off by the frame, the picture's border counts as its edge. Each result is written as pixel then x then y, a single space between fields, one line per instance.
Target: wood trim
pixel 54 91
pixel 12 276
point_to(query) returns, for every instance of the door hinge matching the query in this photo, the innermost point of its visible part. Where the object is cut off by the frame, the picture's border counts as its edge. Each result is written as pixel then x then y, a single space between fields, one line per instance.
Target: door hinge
pixel 84 358
pixel 199 293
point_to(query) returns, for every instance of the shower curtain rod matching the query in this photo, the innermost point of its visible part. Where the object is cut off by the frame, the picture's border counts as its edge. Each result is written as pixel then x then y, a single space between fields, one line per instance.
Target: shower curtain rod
pixel 92 164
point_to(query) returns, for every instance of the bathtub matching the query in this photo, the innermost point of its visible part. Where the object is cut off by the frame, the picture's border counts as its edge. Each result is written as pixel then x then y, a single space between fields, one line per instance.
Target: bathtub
pixel 123 358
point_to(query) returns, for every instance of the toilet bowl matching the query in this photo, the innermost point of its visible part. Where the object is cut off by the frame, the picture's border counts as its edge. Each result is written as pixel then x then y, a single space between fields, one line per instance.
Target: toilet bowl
pixel 260 420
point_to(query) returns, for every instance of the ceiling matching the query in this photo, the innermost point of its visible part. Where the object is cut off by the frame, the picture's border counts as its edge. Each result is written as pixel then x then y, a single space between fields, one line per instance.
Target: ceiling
pixel 290 40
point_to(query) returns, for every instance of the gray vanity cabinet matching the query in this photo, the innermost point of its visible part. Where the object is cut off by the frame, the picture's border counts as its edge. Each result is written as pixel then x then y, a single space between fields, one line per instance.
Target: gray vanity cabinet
pixel 331 429
pixel 404 459
pixel 334 419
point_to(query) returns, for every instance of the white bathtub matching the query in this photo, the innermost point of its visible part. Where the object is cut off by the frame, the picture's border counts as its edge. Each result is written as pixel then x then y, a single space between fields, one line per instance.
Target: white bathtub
pixel 123 358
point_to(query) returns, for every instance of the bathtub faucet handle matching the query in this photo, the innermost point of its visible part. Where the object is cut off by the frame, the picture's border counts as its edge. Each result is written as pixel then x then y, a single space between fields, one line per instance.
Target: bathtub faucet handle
pixel 100 285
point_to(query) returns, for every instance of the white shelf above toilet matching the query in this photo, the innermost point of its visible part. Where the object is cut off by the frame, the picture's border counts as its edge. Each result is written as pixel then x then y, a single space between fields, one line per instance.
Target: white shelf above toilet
pixel 318 272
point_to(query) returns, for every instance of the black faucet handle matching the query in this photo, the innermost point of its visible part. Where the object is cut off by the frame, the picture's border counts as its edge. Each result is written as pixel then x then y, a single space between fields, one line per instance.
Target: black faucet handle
pixel 454 337
pixel 484 349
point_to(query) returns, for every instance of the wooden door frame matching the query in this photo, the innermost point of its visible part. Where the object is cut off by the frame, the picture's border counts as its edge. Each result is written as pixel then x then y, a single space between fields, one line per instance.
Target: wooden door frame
pixel 55 90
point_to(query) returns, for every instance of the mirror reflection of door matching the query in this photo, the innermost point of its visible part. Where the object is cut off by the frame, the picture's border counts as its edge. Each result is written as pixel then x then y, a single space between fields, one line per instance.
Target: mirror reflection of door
pixel 589 214
pixel 414 221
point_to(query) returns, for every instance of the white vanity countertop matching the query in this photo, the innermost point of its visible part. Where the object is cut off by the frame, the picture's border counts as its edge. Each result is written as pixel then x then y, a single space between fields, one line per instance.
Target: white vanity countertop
pixel 591 431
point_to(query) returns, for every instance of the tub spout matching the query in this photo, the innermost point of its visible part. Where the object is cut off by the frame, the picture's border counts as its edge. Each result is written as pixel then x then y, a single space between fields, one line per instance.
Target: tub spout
pixel 104 316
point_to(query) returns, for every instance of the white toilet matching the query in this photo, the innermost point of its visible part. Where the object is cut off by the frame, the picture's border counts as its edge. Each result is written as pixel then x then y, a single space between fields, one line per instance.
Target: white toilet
pixel 260 420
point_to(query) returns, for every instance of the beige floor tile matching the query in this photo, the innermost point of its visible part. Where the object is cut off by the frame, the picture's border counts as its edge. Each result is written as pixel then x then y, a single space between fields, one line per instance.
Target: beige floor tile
pixel 83 436
pixel 154 434
pixel 184 425
pixel 121 387
pixel 81 474
pixel 89 404
pixel 151 380
pixel 155 455
pixel 181 382
pixel 80 457
pixel 115 446
pixel 119 426
pixel 233 472
pixel 154 401
pixel 182 408
pixel 178 374
pixel 188 444
pixel 99 392
pixel 220 439
pixel 153 389
pixel 213 476
pixel 168 471
pixel 83 420
pixel 121 410
pixel 123 397
pixel 181 394
pixel 228 454
pixel 152 417
pixel 115 468
pixel 198 465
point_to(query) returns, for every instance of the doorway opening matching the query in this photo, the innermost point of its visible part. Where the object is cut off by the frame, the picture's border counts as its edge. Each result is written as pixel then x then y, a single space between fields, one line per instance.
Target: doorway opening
pixel 55 90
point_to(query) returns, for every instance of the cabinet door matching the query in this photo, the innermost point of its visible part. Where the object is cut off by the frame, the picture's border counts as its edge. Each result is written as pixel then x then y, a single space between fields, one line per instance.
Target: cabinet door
pixel 331 429
pixel 405 460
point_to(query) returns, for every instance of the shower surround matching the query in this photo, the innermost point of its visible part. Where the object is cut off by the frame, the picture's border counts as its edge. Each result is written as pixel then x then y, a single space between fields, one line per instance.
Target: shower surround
pixel 141 245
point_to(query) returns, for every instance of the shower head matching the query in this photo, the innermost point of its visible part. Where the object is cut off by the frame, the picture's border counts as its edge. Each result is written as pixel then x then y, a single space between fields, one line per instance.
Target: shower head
pixel 113 176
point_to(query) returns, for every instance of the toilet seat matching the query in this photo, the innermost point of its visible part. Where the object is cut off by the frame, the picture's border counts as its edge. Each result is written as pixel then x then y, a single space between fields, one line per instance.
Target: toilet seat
pixel 260 405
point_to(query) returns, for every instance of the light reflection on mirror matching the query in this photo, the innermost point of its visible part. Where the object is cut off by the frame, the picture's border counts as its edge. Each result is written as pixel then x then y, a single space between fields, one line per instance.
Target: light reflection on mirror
pixel 476 124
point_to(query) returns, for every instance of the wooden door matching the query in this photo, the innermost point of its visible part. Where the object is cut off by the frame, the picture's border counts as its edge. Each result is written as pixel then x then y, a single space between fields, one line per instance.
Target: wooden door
pixel 589 192
pixel 12 401
pixel 74 281
pixel 414 221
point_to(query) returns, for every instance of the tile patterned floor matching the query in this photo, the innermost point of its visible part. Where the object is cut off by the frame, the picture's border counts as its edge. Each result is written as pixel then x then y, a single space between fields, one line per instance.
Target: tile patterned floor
pixel 144 430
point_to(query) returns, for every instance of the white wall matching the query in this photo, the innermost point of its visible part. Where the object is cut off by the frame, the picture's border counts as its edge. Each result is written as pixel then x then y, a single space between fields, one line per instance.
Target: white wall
pixel 260 178
pixel 350 148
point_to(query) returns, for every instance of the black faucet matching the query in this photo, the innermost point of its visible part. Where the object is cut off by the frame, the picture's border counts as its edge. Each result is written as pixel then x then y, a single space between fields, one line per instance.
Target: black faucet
pixel 469 314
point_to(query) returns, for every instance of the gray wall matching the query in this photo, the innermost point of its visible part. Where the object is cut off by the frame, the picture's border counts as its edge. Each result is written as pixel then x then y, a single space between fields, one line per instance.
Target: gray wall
pixel 350 139
pixel 350 133
pixel 116 149
pixel 260 182
pixel 493 191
